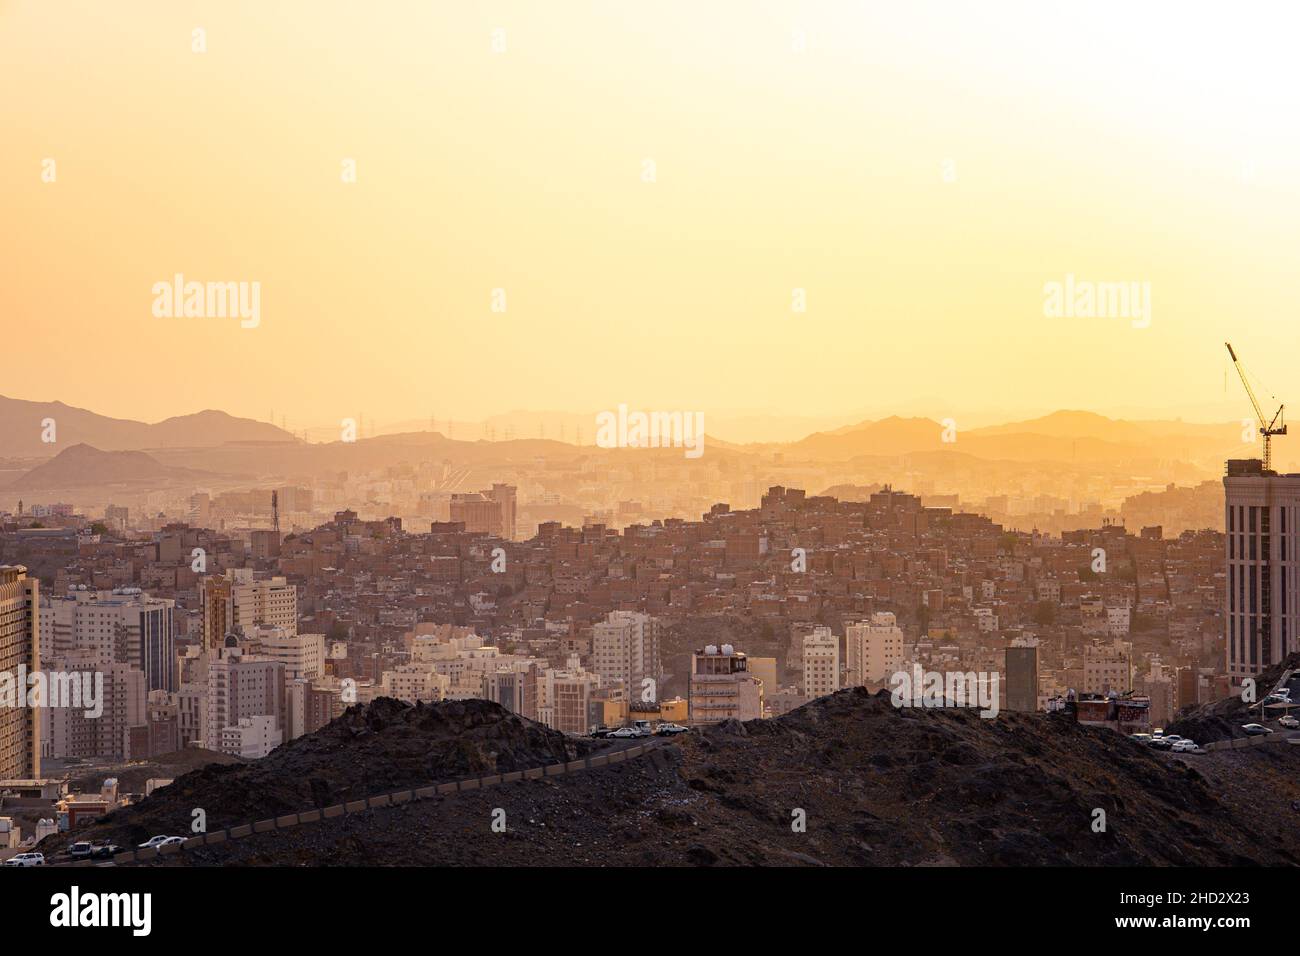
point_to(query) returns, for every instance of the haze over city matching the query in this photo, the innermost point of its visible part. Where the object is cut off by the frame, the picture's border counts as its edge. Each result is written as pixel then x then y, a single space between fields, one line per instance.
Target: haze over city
pixel 647 438
pixel 921 172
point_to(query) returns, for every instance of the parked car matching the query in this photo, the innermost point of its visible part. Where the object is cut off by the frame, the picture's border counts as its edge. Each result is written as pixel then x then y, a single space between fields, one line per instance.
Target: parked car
pixel 670 730
pixel 26 859
pixel 600 733
pixel 172 841
pixel 154 842
pixel 1161 743
pixel 79 850
pixel 104 851
pixel 1289 722
pixel 643 728
pixel 1255 730
pixel 1185 746
pixel 623 733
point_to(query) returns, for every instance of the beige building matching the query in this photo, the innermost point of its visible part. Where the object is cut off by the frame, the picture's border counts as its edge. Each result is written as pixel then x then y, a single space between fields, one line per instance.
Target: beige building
pixel 1108 668
pixel 20 726
pixel 565 699
pixel 303 655
pixel 722 688
pixel 874 649
pixel 238 602
pixel 821 663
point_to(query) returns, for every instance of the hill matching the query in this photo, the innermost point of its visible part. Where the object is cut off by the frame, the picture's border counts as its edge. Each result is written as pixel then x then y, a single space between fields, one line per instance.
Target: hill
pixel 82 466
pixel 21 430
pixel 877 785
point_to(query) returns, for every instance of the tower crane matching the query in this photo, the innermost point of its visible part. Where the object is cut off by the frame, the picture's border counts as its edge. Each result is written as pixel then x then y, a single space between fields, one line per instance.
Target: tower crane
pixel 1267 428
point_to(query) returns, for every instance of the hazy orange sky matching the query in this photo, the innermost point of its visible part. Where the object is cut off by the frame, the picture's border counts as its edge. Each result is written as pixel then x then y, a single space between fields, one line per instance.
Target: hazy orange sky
pixel 920 169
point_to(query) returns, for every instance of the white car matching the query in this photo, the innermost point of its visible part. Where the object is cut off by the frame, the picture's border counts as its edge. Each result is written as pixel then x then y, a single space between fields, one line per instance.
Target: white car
pixel 155 842
pixel 1289 722
pixel 1255 730
pixel 172 841
pixel 26 859
pixel 1184 746
pixel 623 733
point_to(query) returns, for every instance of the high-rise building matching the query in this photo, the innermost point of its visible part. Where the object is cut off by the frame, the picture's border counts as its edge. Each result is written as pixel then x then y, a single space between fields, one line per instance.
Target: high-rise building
pixel 722 688
pixel 490 512
pixel 514 688
pixel 1022 676
pixel 73 731
pixel 625 647
pixel 566 699
pixel 821 663
pixel 237 602
pixel 124 626
pixel 1261 510
pixel 1108 668
pixel 874 649
pixel 303 655
pixel 242 687
pixel 20 726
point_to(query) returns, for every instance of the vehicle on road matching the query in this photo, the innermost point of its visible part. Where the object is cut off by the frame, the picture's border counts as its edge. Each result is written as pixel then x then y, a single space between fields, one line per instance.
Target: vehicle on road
pixel 79 850
pixel 154 842
pixel 104 851
pixel 26 859
pixel 1289 722
pixel 1255 730
pixel 600 733
pixel 643 727
pixel 1163 743
pixel 1185 746
pixel 172 841
pixel 623 733
pixel 670 730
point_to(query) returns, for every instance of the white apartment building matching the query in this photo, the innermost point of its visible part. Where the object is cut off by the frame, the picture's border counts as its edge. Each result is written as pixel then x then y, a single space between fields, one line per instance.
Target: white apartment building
pixel 874 649
pixel 821 663
pixel 625 647
pixel 124 625
pixel 251 738
pixel 240 687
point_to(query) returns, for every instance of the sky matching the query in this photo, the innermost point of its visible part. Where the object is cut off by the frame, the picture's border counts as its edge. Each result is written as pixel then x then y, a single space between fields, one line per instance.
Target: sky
pixel 655 189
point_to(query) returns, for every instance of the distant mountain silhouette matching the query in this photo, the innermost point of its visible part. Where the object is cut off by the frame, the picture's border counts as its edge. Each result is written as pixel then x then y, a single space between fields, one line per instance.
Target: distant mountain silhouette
pixel 22 426
pixel 82 466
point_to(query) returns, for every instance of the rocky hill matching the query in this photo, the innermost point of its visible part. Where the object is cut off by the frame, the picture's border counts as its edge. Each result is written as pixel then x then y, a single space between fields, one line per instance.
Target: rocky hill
pixel 877 786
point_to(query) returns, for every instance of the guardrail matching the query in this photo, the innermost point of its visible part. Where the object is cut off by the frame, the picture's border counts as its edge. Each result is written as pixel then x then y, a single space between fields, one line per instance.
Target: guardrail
pixel 1240 743
pixel 396 798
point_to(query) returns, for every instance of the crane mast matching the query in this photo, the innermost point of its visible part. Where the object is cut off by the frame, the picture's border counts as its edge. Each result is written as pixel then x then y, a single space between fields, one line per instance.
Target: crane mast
pixel 1268 428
